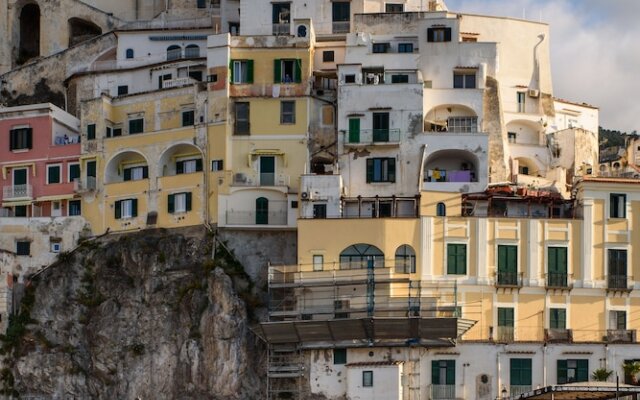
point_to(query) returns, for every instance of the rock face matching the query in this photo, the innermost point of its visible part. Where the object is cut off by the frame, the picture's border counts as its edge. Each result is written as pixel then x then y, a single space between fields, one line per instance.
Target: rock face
pixel 147 315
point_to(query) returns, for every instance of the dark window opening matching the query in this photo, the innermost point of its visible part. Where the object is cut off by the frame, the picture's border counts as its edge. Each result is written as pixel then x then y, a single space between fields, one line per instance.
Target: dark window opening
pixel 242 125
pixel 23 248
pixel 188 118
pixel 350 78
pixel 91 131
pixel 129 53
pixel 20 139
pixel 136 126
pixel 81 30
pixel 29 33
pixel 328 56
pixel 405 48
pixel 122 90
pixel 394 8
pixel 439 34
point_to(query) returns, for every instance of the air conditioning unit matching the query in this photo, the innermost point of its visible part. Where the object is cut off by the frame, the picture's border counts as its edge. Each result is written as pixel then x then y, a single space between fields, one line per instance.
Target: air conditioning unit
pixel 534 93
pixel 302 31
pixel 306 195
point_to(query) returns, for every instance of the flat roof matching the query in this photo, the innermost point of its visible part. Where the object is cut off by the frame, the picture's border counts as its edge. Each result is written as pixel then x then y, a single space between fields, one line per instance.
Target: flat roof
pixel 580 390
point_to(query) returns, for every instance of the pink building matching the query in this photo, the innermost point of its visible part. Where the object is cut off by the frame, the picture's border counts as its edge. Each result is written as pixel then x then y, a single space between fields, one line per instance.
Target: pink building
pixel 39 160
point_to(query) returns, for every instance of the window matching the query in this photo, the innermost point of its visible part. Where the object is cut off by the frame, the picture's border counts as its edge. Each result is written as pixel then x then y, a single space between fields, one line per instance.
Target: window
pixel 350 78
pixel 56 209
pixel 558 318
pixel 617 268
pixel 23 248
pixel 373 76
pixel 56 246
pixel 179 203
pixel 197 75
pixel 318 262
pixel 75 207
pixel 262 211
pixel 213 78
pixel 443 372
pixel 380 126
pixel 341 14
pixel 242 125
pixel 618 320
pixel 217 165
pixel 234 28
pixel 520 372
pixel 294 204
pixel 441 210
pixel 192 51
pixel 267 170
pixel 117 131
pixel 405 48
pixel 188 166
pixel 456 259
pixel 557 266
pixel 20 139
pixel 512 137
pixel 188 118
pixel 507 265
pixel 201 3
pixel 241 71
pixel 405 260
pixel 617 205
pixel 122 90
pixel 393 8
pixel 319 211
pixel 287 112
pixel 287 71
pixel 162 79
pixel 464 80
pixel 91 131
pixel 361 256
pixel 367 378
pixel 380 48
pixel 53 174
pixel 136 173
pixel 129 53
pixel 505 324
pixel 328 56
pixel 573 371
pixel 339 356
pixel 462 124
pixel 354 130
pixel 281 13
pixel 20 211
pixel 439 34
pixel 74 171
pixel 174 52
pixel 521 97
pixel 126 208
pixel 400 78
pixel 136 126
pixel 381 170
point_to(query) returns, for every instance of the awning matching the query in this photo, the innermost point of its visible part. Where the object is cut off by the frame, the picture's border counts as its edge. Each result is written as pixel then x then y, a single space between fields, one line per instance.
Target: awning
pixel 266 152
pixel 580 390
pixel 16 203
pixel 56 197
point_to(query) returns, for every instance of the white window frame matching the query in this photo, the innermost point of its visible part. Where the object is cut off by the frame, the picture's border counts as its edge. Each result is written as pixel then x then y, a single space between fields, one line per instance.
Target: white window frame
pixel 240 76
pixel 547 322
pixel 126 205
pixel 318 262
pixel 546 261
pixel 611 309
pixel 13 175
pixel 608 247
pixel 58 212
pixel 179 203
pixel 522 106
pixel 446 257
pixel 49 166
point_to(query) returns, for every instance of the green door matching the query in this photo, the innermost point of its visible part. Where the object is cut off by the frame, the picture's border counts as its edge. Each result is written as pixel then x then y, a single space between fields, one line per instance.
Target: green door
pixel 262 211
pixel 354 130
pixel 267 170
pixel 91 168
pixel 557 265
pixel 507 265
pixel 19 176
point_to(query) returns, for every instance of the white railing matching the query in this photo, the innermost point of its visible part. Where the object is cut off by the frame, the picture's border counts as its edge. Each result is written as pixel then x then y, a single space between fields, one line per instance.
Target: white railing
pixel 443 392
pixel 265 179
pixel 281 29
pixel 177 82
pixel 84 184
pixel 256 218
pixel 17 192
pixel 517 390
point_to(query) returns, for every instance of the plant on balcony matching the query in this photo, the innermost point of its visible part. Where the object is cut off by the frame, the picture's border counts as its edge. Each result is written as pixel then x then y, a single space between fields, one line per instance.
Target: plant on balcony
pixel 631 370
pixel 601 374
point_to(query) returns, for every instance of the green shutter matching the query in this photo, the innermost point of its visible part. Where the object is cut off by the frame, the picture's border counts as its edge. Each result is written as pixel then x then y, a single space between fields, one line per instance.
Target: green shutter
pixel 354 130
pixel 249 71
pixel 134 207
pixel 562 371
pixel 520 371
pixel 118 207
pixel 188 201
pixel 369 170
pixel 435 372
pixel 145 172
pixel 231 71
pixel 127 174
pixel 277 71
pixel 582 372
pixel 298 71
pixel 391 171
pixel 505 317
pixel 502 258
pixel 451 372
pixel 171 203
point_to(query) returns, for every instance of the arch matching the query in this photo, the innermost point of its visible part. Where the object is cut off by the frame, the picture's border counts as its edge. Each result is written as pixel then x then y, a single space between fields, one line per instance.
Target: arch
pixel 441 210
pixel 174 52
pixel 262 211
pixel 129 53
pixel 169 158
pixel 29 33
pixel 451 118
pixel 527 166
pixel 81 30
pixel 114 170
pixel 451 165
pixel 524 132
pixel 192 51
pixel 360 256
pixel 405 259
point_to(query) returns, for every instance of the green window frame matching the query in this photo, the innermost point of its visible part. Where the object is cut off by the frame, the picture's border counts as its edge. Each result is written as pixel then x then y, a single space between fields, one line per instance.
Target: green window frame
pixel 573 371
pixel 339 356
pixel 520 371
pixel 557 266
pixel 558 318
pixel 506 317
pixel 179 199
pixel 443 372
pixel 241 72
pixel 91 131
pixel 507 264
pixel 287 70
pixel 456 259
pixel 381 170
pixel 53 174
pixel 136 125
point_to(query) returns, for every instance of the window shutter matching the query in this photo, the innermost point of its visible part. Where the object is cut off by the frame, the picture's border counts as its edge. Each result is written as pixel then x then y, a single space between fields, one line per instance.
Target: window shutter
pixel 298 70
pixel 451 259
pixel 391 173
pixel 249 71
pixel 199 164
pixel 145 172
pixel 561 261
pixel 29 138
pixel 429 34
pixel 462 259
pixel 512 258
pixel 582 373
pixel 188 201
pixel 180 167
pixel 127 174
pixel 612 206
pixel 134 207
pixel 277 71
pixel 231 74
pixel 118 207
pixel 369 170
pixel 562 371
pixel 451 372
pixel 435 372
pixel 447 34
pixel 562 318
pixel 171 203
pixel 502 259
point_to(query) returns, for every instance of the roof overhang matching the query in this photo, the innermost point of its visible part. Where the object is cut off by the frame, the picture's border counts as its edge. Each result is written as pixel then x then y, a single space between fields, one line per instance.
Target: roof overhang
pixel 585 390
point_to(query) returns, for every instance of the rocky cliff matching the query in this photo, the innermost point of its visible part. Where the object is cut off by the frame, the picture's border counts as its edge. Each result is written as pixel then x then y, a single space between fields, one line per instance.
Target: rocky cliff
pixel 148 315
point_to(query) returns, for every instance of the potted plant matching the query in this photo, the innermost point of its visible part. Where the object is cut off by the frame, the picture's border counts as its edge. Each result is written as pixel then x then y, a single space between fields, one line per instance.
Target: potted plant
pixel 631 370
pixel 601 374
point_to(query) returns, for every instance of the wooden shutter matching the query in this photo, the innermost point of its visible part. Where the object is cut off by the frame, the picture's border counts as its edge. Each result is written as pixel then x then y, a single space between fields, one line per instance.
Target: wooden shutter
pixel 562 371
pixel 435 372
pixel 231 73
pixel 451 372
pixel 298 71
pixel 249 71
pixel 134 207
pixel 447 34
pixel 180 167
pixel 118 208
pixel 354 130
pixel 171 201
pixel 127 174
pixel 369 170
pixel 582 370
pixel 187 201
pixel 277 71
pixel 391 169
pixel 430 35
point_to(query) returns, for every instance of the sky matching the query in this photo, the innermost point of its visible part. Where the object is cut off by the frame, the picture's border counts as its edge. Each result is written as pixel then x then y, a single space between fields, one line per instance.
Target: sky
pixel 595 50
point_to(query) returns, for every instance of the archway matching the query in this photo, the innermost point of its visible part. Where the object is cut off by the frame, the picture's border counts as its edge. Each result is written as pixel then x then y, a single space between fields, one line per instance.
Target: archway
pixel 29 33
pixel 81 30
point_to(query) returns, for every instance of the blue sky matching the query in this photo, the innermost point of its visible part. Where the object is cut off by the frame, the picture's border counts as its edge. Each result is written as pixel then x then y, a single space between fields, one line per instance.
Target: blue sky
pixel 595 50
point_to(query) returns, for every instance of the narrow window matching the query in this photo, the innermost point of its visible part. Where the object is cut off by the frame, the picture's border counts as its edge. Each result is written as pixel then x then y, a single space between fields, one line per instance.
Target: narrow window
pixel 91 131
pixel 129 53
pixel 521 99
pixel 558 318
pixel 287 112
pixel 188 118
pixel 367 378
pixel 617 205
pixel 53 174
pixel 75 207
pixel 318 262
pixel 217 165
pixel 74 171
pixel 242 125
pixel 328 56
pixel 339 356
pixel 441 210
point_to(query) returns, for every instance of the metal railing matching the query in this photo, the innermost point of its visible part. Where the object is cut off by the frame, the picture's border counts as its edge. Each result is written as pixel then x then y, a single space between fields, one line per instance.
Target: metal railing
pixel 17 192
pixel 281 29
pixel 617 282
pixel 372 136
pixel 84 184
pixel 621 335
pixel 178 82
pixel 444 175
pixel 262 179
pixel 517 390
pixel 235 217
pixel 341 26
pixel 443 392
pixel 557 280
pixel 558 335
pixel 504 278
pixel 505 334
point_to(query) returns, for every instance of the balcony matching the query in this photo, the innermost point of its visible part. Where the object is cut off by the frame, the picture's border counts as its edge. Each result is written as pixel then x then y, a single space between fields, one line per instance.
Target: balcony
pixel 621 336
pixel 373 136
pixel 178 82
pixel 558 280
pixel 617 283
pixel 558 335
pixel 341 26
pixel 517 390
pixel 242 217
pixel 262 179
pixel 508 279
pixel 443 392
pixel 505 334
pixel 17 192
pixel 85 184
pixel 282 29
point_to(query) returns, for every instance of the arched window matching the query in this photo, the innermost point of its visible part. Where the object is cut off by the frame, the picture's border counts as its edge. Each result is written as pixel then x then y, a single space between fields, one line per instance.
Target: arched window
pixel 192 51
pixel 129 53
pixel 174 52
pixel 405 259
pixel 262 211
pixel 362 255
pixel 441 210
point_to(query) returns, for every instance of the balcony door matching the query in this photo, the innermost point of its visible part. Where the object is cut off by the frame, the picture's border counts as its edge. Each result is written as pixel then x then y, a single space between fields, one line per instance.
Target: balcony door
pixel 262 211
pixel 354 130
pixel 267 170
pixel 20 176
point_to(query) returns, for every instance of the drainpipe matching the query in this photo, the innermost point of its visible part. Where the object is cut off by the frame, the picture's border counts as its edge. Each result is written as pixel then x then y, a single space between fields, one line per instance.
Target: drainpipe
pixel 544 365
pixel 498 371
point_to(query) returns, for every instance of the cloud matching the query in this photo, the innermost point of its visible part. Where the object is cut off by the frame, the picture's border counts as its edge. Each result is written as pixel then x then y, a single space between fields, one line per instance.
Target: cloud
pixel 593 56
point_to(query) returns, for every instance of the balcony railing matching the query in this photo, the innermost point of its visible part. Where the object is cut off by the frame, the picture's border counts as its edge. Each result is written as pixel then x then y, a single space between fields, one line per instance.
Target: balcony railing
pixel 621 336
pixel 505 334
pixel 508 279
pixel 557 280
pixel 65 140
pixel 517 390
pixel 84 184
pixel 617 282
pixel 17 192
pixel 256 218
pixel 341 26
pixel 558 335
pixel 282 29
pixel 443 392
pixel 178 82
pixel 444 175
pixel 262 179
pixel 373 136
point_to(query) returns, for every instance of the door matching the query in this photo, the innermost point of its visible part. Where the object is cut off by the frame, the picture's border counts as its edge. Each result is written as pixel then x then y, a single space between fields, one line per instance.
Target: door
pixel 354 130
pixel 380 127
pixel 20 177
pixel 267 170
pixel 262 211
pixel 507 265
